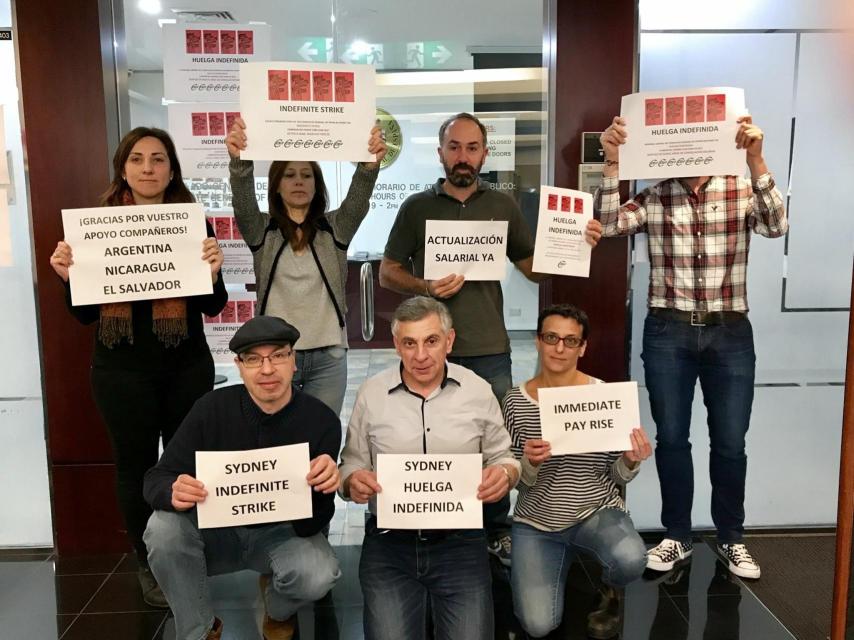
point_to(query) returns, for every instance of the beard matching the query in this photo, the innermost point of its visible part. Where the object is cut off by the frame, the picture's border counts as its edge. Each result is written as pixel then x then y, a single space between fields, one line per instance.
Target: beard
pixel 464 178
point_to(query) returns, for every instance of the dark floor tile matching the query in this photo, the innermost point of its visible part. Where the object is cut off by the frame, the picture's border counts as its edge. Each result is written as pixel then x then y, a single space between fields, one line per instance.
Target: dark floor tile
pixel 237 624
pixel 735 617
pixel 704 574
pixel 129 564
pixel 120 593
pixel 70 565
pixel 650 614
pixel 63 621
pixel 139 625
pixel 73 592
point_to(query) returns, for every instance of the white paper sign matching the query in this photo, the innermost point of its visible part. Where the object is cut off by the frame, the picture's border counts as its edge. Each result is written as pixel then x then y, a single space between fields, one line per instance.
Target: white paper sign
pixel 199 132
pixel 200 61
pixel 141 252
pixel 589 417
pixel 306 111
pixel 501 141
pixel 253 487
pixel 219 330
pixel 237 266
pixel 429 491
pixel 682 133
pixel 475 249
pixel 560 246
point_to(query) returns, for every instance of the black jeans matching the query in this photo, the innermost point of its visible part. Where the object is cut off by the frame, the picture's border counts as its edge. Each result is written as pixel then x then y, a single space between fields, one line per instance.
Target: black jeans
pixel 139 408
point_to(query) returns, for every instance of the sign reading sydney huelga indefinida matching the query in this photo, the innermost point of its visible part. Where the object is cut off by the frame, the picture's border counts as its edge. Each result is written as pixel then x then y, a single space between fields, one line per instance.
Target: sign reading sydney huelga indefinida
pixel 138 252
pixel 305 111
pixel 201 61
pixel 682 133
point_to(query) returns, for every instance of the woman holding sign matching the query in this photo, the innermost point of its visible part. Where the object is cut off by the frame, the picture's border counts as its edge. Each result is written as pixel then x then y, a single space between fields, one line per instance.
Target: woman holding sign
pixel 300 255
pixel 151 361
pixel 568 503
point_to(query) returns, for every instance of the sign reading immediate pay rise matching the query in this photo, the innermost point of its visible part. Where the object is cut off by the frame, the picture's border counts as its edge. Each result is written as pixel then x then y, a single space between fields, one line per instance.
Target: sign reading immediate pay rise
pixel 475 249
pixel 140 252
pixel 429 491
pixel 682 133
pixel 252 487
pixel 560 247
pixel 201 61
pixel 589 417
pixel 305 111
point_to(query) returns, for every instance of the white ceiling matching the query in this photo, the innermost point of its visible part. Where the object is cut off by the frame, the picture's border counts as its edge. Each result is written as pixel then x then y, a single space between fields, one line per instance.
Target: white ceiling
pixel 473 23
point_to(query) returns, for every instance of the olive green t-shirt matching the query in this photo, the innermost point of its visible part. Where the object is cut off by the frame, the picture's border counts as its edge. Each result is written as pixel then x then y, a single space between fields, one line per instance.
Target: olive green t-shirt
pixel 478 308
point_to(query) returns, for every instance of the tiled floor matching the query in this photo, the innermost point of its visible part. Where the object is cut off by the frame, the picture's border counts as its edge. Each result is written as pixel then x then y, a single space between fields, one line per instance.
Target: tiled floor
pixel 97 598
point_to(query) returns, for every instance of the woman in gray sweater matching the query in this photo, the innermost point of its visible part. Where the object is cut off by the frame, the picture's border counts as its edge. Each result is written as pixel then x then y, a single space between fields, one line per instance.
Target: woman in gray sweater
pixel 300 255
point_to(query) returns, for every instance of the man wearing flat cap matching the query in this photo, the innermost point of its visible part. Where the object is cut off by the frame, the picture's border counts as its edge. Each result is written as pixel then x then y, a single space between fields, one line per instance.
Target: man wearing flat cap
pixel 296 563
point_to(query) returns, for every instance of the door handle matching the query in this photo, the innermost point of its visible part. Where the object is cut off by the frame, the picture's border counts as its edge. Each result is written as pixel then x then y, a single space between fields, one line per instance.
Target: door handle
pixel 366 298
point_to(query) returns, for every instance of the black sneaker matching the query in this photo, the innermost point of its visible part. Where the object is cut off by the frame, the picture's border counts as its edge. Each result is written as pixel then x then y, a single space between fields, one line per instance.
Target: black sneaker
pixel 668 554
pixel 739 561
pixel 501 548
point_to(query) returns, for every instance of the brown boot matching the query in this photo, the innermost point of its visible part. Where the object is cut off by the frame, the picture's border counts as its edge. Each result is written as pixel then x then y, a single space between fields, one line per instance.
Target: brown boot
pixel 216 632
pixel 604 621
pixel 275 629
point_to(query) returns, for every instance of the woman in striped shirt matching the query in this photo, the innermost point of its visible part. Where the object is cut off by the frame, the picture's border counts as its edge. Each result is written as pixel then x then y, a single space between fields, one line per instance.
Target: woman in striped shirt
pixel 568 503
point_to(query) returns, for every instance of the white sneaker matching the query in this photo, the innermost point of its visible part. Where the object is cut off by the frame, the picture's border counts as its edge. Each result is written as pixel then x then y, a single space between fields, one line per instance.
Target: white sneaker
pixel 739 561
pixel 668 554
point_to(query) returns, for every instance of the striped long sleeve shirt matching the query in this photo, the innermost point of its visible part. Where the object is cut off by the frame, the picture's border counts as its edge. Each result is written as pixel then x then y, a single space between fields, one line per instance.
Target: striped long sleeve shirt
pixel 566 489
pixel 698 243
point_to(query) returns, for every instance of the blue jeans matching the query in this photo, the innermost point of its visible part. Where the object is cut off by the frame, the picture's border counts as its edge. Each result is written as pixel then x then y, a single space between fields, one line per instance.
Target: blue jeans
pixel 674 355
pixel 541 561
pixel 181 557
pixel 322 373
pixel 497 371
pixel 400 573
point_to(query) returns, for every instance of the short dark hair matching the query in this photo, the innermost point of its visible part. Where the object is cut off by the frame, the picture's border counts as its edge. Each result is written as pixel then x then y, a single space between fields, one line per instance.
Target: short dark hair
pixel 461 116
pixel 176 190
pixel 565 310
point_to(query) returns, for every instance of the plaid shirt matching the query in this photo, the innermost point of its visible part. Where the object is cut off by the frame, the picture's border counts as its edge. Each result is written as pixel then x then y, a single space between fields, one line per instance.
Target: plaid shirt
pixel 698 244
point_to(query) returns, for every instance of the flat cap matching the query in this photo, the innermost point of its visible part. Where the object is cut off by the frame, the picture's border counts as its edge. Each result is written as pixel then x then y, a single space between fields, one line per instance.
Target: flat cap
pixel 263 330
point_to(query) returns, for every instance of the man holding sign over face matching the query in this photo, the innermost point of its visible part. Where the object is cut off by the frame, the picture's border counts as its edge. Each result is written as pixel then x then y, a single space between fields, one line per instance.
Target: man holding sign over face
pixel 477 306
pixel 568 503
pixel 426 406
pixel 699 231
pixel 266 411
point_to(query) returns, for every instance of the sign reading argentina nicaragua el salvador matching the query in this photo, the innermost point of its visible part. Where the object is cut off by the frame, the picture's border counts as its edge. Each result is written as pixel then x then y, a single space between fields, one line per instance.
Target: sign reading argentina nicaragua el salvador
pixel 682 133
pixel 140 252
pixel 307 111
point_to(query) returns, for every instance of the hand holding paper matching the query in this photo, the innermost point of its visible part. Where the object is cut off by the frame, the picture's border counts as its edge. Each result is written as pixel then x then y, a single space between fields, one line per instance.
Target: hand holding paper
pixel 537 451
pixel 61 259
pixel 376 146
pixel 495 484
pixel 446 287
pixel 323 474
pixel 641 448
pixel 236 139
pixel 187 492
pixel 363 485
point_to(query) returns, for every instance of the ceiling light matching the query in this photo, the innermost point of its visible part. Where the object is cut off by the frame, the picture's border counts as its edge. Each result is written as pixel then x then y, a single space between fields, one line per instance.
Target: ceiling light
pixel 149 6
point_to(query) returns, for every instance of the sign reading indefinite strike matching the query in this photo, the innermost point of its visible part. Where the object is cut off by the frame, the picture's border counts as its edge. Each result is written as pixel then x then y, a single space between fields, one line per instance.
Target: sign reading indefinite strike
pixel 682 133
pixel 560 247
pixel 429 491
pixel 307 111
pixel 475 249
pixel 589 417
pixel 253 487
pixel 141 252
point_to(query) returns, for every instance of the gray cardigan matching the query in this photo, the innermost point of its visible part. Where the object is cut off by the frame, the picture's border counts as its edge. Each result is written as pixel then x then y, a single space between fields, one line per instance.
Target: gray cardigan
pixel 329 246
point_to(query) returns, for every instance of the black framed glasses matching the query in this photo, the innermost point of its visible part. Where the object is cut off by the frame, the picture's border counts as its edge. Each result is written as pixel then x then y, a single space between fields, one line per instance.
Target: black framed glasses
pixel 254 360
pixel 570 342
